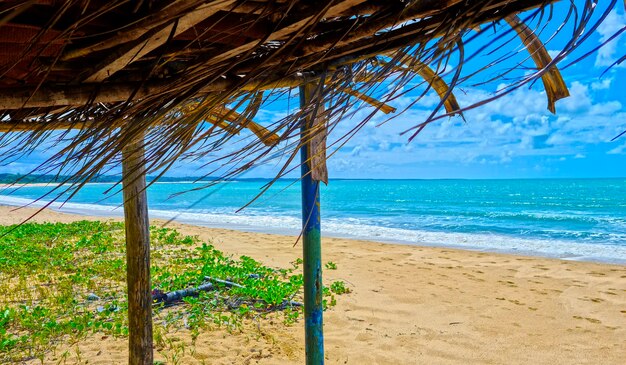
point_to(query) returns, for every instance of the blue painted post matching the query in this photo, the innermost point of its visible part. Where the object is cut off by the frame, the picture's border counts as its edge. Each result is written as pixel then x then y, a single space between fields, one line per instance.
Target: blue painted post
pixel 312 247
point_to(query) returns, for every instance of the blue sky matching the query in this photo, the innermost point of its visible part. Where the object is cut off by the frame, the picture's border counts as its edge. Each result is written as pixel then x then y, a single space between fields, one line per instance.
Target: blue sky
pixel 512 137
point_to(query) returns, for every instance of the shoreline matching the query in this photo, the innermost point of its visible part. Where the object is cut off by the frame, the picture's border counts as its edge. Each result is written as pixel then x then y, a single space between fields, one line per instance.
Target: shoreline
pixel 438 305
pixel 70 216
pixel 561 250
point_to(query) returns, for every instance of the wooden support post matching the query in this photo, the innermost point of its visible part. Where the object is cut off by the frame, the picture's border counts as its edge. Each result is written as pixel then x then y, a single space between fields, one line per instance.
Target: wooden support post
pixel 311 237
pixel 137 255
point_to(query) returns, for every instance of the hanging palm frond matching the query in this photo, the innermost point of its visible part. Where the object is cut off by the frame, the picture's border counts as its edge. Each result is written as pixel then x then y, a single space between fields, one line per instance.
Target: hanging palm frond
pixel 191 75
pixel 552 80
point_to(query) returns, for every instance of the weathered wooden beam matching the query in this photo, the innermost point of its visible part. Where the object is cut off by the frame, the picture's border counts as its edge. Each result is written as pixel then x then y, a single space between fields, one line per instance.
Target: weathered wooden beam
pixel 142 47
pixel 11 126
pixel 311 235
pixel 40 126
pixel 137 254
pixel 228 120
pixel 55 96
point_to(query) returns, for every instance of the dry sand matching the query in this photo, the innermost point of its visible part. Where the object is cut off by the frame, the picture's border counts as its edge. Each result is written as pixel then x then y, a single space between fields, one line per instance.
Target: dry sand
pixel 412 305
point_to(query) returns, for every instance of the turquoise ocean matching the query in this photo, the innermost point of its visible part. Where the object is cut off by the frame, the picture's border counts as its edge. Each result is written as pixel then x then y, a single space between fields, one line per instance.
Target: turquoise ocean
pixel 575 219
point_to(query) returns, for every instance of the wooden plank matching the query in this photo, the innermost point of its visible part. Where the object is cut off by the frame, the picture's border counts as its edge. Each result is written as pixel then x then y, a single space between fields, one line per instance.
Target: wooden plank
pixel 137 255
pixel 142 47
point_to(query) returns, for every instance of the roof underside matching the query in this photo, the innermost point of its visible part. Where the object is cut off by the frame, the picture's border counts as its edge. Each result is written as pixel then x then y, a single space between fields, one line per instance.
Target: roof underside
pixel 172 66
pixel 57 53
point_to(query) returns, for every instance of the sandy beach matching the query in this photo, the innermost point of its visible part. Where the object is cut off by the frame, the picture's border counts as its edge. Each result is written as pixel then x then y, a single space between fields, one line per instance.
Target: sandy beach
pixel 410 305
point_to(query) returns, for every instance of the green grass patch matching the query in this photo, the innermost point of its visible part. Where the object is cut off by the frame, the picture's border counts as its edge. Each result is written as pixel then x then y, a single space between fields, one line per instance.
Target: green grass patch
pixel 62 282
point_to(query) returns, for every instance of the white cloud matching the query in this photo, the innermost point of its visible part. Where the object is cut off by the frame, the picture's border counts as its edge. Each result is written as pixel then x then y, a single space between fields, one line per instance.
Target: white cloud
pixel 554 53
pixel 514 126
pixel 601 85
pixel 18 168
pixel 579 99
pixel 608 54
pixel 609 108
pixel 356 151
pixel 619 150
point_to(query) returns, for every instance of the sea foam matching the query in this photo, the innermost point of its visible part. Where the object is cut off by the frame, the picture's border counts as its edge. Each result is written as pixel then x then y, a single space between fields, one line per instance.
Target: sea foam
pixel 259 221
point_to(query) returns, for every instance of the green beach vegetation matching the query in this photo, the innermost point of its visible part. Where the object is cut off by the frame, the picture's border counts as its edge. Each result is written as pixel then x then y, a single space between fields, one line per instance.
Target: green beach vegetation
pixel 62 282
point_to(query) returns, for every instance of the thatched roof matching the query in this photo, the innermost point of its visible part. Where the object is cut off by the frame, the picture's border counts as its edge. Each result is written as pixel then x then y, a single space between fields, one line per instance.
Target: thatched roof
pixel 114 69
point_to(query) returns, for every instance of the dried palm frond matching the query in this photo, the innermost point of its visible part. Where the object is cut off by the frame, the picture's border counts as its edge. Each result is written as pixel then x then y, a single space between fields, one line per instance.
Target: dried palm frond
pixel 552 80
pixel 189 76
pixel 436 82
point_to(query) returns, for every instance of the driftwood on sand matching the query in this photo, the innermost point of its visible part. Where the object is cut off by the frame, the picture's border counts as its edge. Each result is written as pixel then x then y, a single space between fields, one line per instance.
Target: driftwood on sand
pixel 172 297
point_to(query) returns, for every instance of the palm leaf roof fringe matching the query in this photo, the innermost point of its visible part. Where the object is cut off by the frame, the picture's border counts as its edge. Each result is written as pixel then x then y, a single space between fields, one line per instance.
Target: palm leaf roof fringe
pixel 93 76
